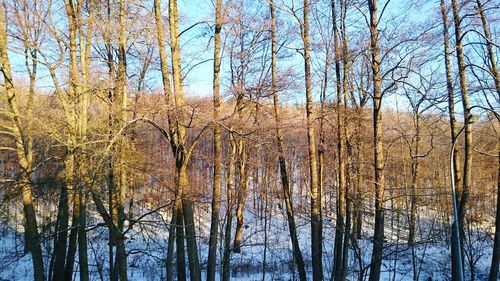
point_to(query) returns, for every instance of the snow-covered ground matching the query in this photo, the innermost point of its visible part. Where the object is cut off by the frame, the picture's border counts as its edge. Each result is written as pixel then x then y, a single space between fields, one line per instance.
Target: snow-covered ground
pixel 147 242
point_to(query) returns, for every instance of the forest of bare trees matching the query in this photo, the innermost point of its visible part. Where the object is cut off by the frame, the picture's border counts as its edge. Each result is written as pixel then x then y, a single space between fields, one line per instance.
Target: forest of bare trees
pixel 249 140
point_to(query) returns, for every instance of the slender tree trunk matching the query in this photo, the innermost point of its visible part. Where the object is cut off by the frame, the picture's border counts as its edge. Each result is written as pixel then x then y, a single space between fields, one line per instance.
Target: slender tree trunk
pixel 495 258
pixel 451 111
pixel 267 220
pixel 170 247
pixel 73 236
pixel 85 49
pixel 287 193
pixel 111 182
pixel 316 220
pixel 489 46
pixel 378 236
pixel 160 34
pixel 56 273
pixel 111 204
pixel 358 197
pixel 241 195
pixel 466 105
pixel 345 141
pixel 339 229
pixel 226 267
pixel 414 181
pixel 72 138
pixel 214 225
pixel 121 254
pixel 464 192
pixel 179 238
pixel 347 237
pixel 321 148
pixel 82 239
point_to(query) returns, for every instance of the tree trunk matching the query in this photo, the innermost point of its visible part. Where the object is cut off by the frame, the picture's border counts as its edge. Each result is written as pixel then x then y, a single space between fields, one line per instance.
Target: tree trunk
pixel 179 238
pixel 214 225
pixel 345 141
pixel 121 254
pixel 31 229
pixel 82 239
pixel 378 235
pixel 453 122
pixel 192 246
pixel 495 258
pixel 267 221
pixel 464 192
pixel 339 229
pixel 242 194
pixel 414 181
pixel 72 138
pixel 358 192
pixel 489 46
pixel 287 193
pixel 60 237
pixel 73 236
pixel 170 247
pixel 226 267
pixel 316 220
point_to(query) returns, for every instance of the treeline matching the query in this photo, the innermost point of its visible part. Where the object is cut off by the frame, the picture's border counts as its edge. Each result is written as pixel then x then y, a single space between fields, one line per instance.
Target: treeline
pixel 98 137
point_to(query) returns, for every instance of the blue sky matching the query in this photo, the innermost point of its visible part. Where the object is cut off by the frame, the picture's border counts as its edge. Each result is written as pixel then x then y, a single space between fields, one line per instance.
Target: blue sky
pixel 197 47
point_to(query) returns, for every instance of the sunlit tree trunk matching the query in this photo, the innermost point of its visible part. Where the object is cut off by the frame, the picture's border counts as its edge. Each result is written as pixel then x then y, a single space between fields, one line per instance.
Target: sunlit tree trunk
pixel 243 182
pixel 176 231
pixel 85 38
pixel 242 149
pixel 316 220
pixel 378 161
pixel 226 259
pixel 122 100
pixel 72 138
pixel 214 225
pixel 179 145
pixel 489 46
pixel 345 142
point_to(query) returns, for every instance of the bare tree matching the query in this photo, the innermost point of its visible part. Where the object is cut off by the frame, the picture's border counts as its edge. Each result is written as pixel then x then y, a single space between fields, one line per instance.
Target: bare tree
pixel 24 153
pixel 287 194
